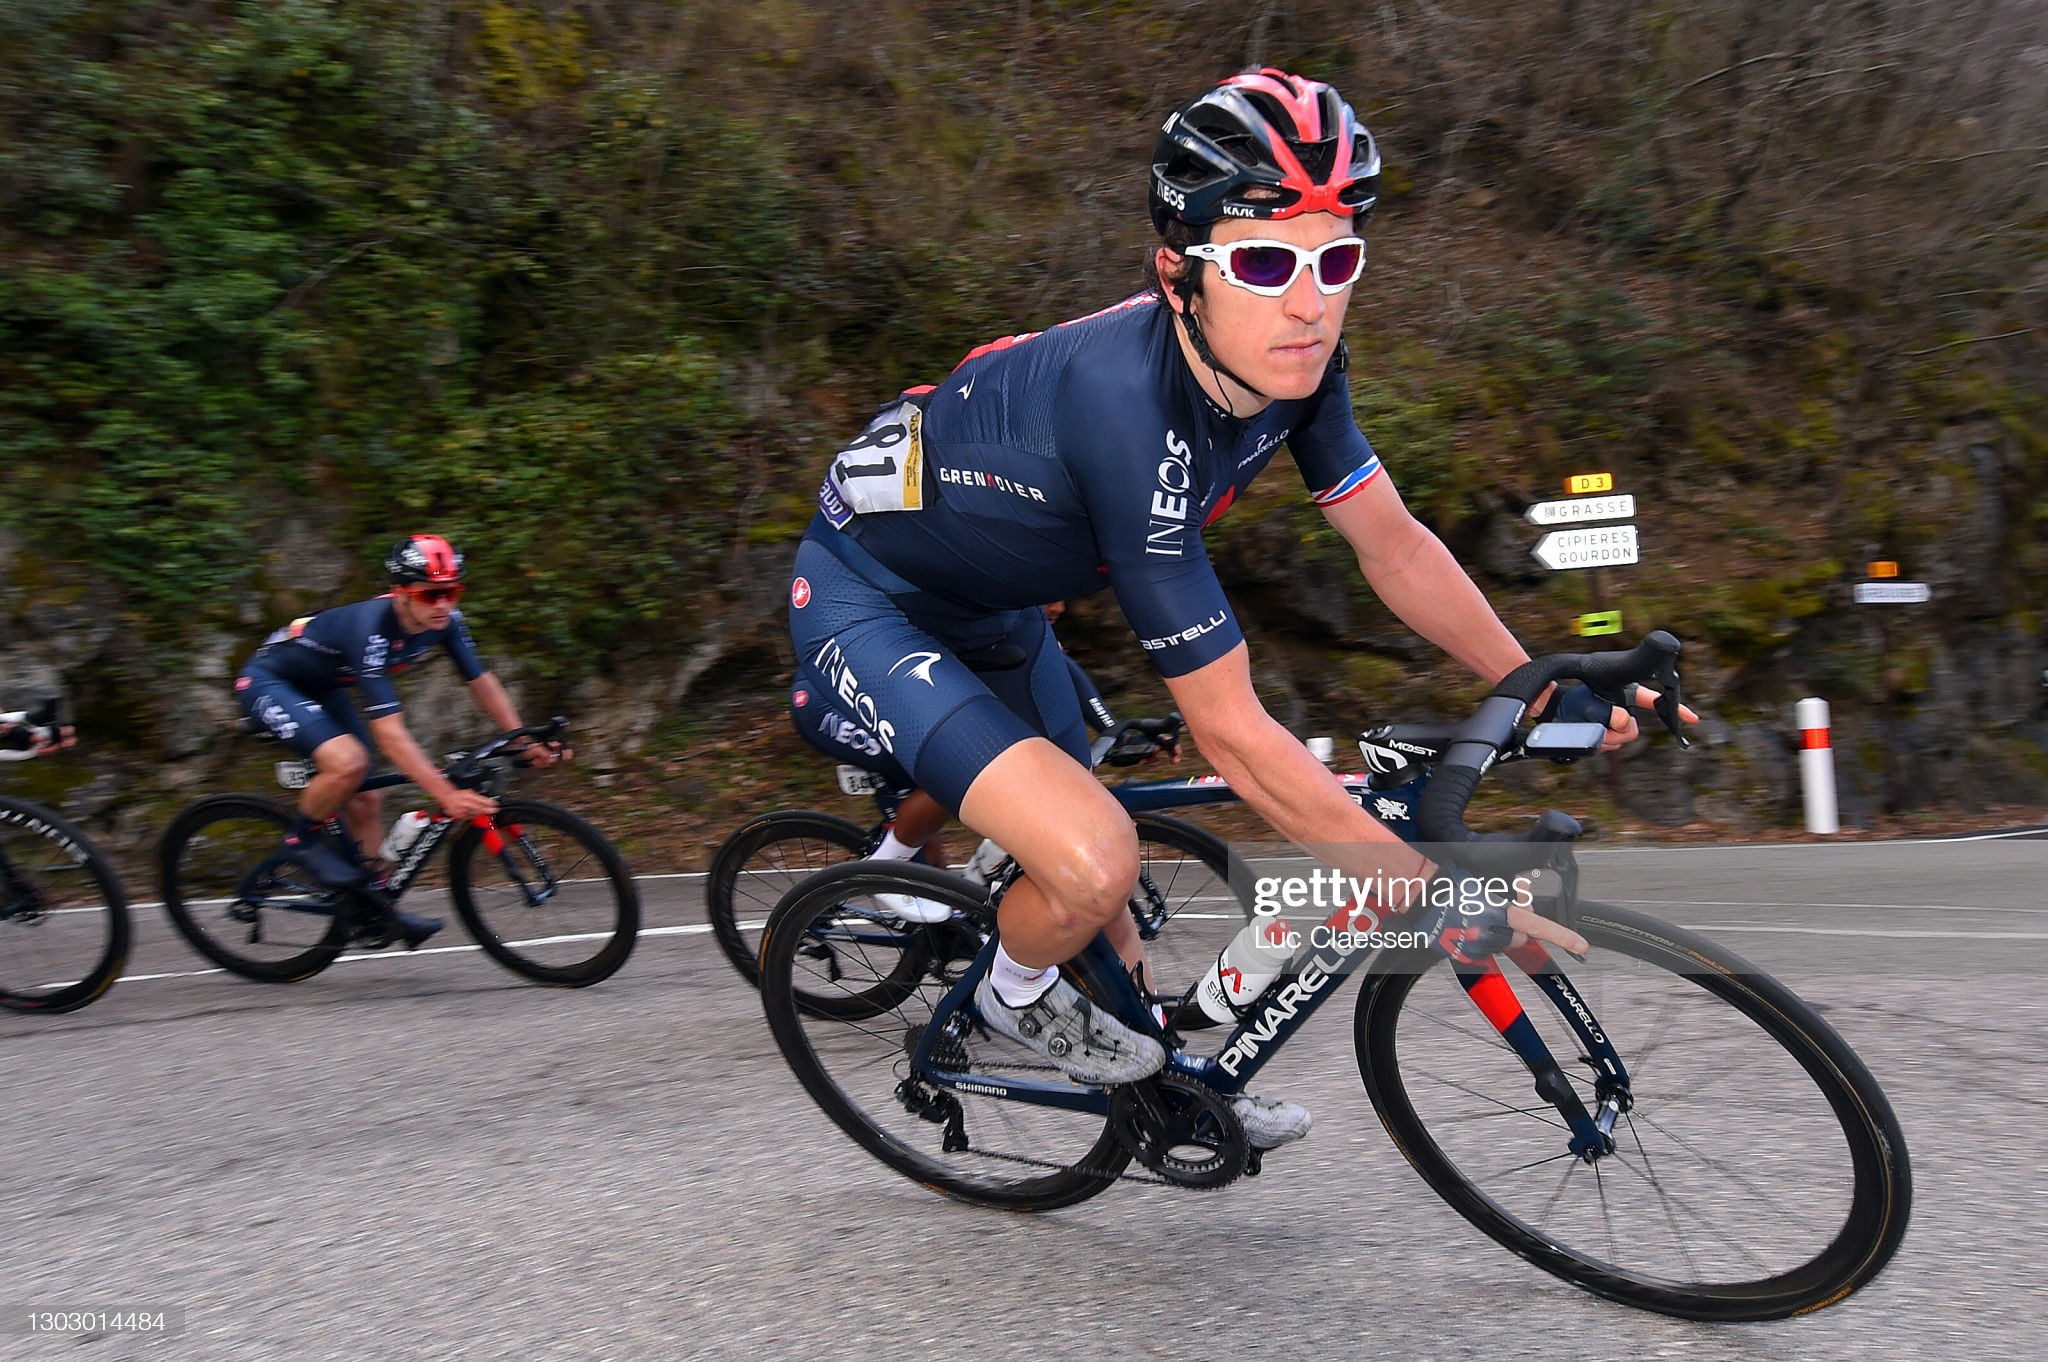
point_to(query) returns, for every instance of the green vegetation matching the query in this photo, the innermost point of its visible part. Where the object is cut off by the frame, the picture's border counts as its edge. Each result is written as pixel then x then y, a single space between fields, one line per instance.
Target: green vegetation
pixel 589 287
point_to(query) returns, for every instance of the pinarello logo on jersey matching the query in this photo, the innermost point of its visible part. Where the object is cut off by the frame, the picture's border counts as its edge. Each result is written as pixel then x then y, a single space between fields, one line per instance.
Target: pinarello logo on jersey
pixel 800 593
pixel 802 697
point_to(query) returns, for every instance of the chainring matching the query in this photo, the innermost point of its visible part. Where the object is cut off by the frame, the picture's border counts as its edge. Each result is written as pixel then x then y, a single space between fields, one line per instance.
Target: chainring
pixel 1181 1130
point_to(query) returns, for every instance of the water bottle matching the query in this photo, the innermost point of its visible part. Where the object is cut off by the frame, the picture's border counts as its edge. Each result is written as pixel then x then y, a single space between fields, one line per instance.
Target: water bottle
pixel 1254 958
pixel 403 834
pixel 984 862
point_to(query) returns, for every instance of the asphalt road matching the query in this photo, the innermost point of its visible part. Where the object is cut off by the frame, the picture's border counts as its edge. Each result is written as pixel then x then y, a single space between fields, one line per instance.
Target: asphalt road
pixel 423 1157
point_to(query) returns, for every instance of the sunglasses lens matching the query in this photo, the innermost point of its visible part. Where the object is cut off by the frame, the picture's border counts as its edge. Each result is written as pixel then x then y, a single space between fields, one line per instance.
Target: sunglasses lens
pixel 1341 264
pixel 438 595
pixel 1263 266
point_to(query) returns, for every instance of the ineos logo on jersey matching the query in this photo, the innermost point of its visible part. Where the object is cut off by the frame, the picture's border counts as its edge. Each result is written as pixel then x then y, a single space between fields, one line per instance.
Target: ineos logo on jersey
pixel 831 661
pixel 800 593
pixel 843 732
pixel 921 668
pixel 1170 502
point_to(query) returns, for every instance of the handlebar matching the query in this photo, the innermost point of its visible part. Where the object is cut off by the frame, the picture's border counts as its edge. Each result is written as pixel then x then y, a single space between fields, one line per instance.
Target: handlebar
pixel 1137 739
pixel 26 729
pixel 1477 744
pixel 465 764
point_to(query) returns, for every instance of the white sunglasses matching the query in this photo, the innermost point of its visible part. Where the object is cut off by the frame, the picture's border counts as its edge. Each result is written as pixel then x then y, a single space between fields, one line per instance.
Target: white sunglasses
pixel 1269 268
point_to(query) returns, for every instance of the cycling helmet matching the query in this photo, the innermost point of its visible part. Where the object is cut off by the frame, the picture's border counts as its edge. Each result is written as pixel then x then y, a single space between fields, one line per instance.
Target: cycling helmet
pixel 423 558
pixel 1264 144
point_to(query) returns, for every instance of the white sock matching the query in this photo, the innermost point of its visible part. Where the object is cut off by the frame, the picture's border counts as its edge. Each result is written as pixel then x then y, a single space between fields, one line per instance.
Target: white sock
pixel 892 850
pixel 1016 985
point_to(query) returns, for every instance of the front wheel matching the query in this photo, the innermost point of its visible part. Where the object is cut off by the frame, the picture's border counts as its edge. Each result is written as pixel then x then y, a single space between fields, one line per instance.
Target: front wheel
pixel 763 860
pixel 1758 1173
pixel 545 894
pixel 63 914
pixel 275 924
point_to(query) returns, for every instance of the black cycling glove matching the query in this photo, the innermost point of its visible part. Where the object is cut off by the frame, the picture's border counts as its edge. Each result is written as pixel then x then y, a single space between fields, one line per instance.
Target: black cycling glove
pixel 1461 919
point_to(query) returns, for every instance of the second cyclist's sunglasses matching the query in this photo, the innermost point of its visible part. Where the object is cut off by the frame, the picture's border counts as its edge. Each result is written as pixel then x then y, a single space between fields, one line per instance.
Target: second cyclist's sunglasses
pixel 435 595
pixel 1269 268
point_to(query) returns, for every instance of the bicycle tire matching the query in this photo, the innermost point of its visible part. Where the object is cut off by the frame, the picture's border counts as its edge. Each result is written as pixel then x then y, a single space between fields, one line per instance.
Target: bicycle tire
pixel 62 905
pixel 1020 1156
pixel 580 907
pixel 203 863
pixel 1652 975
pixel 1184 882
pixel 759 863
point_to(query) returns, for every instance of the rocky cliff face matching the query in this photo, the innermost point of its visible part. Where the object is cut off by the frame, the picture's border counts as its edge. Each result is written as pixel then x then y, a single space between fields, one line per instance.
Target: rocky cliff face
pixel 1936 707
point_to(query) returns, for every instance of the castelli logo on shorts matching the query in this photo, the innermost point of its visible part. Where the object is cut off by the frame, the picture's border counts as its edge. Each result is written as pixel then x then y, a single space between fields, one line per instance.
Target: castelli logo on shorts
pixel 800 593
pixel 802 698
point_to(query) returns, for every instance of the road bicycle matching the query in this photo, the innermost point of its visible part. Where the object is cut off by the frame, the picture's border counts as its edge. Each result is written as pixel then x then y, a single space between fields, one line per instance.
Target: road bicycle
pixel 64 927
pixel 541 891
pixel 1660 1123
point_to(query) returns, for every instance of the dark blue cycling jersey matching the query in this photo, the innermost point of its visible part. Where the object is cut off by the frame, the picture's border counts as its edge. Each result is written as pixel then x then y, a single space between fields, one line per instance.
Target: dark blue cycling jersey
pixel 1051 465
pixel 359 645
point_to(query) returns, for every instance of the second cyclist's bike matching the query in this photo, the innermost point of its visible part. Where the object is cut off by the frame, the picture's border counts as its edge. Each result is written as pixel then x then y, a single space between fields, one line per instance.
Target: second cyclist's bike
pixel 541 891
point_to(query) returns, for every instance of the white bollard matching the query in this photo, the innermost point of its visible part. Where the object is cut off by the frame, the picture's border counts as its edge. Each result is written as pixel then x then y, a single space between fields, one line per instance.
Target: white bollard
pixel 1816 766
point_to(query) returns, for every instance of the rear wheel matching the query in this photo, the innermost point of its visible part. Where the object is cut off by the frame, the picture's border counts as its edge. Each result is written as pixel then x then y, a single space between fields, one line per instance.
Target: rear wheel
pixel 848 1023
pixel 1758 1172
pixel 277 925
pixel 64 925
pixel 545 894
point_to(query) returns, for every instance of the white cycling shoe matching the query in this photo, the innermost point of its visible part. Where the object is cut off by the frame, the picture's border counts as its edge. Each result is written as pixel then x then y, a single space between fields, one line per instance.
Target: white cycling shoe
pixel 911 908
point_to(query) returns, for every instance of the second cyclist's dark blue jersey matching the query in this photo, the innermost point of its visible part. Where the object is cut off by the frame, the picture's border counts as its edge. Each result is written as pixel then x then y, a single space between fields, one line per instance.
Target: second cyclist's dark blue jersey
pixel 1054 464
pixel 360 645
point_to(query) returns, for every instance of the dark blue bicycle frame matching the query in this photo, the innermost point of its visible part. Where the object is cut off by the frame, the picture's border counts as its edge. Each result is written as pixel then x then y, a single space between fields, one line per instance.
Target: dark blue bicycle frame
pixel 1289 1001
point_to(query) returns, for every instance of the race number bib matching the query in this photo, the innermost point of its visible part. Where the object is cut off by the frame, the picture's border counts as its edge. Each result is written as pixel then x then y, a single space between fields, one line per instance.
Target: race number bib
pixel 882 470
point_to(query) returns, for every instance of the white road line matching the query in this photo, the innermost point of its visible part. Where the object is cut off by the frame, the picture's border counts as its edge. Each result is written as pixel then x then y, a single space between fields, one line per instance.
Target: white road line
pixel 1713 928
pixel 1767 903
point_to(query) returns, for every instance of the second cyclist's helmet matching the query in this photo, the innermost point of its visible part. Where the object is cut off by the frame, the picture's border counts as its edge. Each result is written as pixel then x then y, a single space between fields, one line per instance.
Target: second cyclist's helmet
pixel 423 558
pixel 1264 144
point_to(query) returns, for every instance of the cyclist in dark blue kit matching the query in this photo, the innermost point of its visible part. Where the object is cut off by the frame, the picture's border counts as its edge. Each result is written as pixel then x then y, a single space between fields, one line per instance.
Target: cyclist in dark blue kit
pixel 297 686
pixel 1093 454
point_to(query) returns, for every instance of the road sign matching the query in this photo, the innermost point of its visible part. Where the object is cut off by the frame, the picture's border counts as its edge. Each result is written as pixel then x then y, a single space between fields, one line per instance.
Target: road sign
pixel 1598 623
pixel 1578 484
pixel 1893 593
pixel 1607 546
pixel 1618 507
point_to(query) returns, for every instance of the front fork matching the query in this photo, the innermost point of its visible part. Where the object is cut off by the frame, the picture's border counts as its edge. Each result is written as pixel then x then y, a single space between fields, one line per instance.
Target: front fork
pixel 1489 990
pixel 496 842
